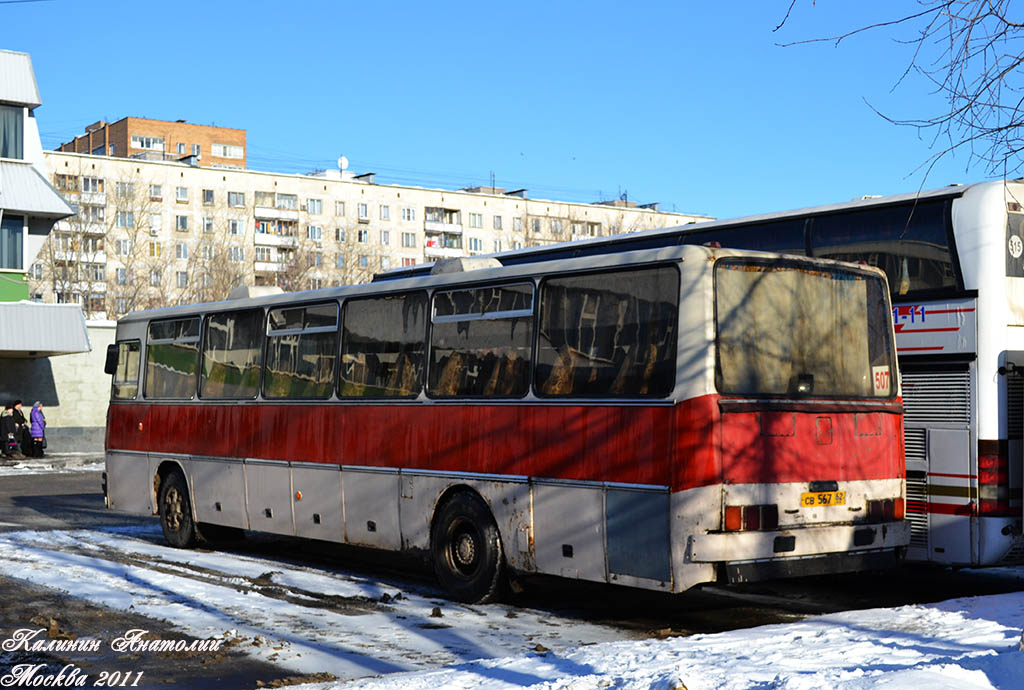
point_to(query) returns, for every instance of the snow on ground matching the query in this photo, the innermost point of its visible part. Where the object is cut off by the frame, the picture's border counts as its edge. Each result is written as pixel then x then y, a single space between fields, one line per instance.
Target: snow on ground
pixel 962 644
pixel 315 620
pixel 307 620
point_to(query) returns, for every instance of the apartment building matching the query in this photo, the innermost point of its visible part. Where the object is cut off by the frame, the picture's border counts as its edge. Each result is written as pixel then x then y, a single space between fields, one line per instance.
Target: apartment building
pixel 145 139
pixel 153 233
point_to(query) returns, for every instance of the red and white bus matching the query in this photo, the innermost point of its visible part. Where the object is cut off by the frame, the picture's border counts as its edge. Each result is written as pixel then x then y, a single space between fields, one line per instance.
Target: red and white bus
pixel 657 418
pixel 954 258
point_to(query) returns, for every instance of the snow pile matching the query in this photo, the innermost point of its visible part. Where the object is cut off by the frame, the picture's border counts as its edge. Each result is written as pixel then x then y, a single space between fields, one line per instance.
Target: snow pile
pixel 962 644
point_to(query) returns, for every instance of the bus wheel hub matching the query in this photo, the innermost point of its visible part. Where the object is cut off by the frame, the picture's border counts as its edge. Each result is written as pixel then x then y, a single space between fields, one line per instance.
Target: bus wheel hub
pixel 465 550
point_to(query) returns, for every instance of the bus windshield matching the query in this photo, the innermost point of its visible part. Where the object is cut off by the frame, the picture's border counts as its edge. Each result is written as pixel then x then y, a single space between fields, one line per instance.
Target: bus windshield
pixel 789 328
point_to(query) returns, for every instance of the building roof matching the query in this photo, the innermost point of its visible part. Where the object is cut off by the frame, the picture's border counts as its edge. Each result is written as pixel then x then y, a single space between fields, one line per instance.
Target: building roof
pixel 24 190
pixel 17 80
pixel 31 329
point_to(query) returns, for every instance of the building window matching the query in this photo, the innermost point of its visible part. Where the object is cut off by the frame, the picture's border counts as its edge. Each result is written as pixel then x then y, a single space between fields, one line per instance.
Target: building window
pixel 12 132
pixel 182 279
pixel 364 261
pixel 182 148
pixel 288 202
pixel 408 239
pixel 66 183
pixel 148 143
pixel 207 224
pixel 123 247
pixel 121 276
pixel 497 245
pixel 408 213
pixel 517 224
pixel 36 271
pixel 408 261
pixel 314 232
pixel 265 199
pixel 125 219
pixel 206 252
pixel 263 254
pixel 339 234
pixel 155 249
pixel 207 197
pixel 339 261
pixel 556 227
pixel 476 220
pixel 517 245
pixel 236 254
pixel 197 150
pixel 124 190
pixel 385 263
pixel 181 194
pixel 156 192
pixel 363 236
pixel 180 250
pixel 364 212
pixel 536 224
pixel 314 206
pixel 227 151
pixel 262 227
pixel 339 208
pixel 385 237
pixel 476 244
pixel 181 223
pixel 236 199
pixel 155 277
pixel 385 212
pixel 92 185
pixel 497 222
pixel 235 226
pixel 316 283
pixel 316 259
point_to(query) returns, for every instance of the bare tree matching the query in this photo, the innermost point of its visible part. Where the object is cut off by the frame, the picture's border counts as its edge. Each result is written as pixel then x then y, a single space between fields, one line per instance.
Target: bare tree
pixel 971 52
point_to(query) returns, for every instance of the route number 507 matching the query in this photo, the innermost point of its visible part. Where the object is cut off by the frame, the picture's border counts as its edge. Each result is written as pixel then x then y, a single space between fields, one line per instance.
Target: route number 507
pixel 883 380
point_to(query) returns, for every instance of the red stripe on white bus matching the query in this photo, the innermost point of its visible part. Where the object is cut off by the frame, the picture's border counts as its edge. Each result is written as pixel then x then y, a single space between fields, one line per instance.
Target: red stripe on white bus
pixel 611 443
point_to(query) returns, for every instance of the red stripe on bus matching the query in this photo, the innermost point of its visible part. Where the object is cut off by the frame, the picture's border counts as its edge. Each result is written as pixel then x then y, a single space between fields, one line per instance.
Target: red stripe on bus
pixel 941 509
pixel 904 331
pixel 688 445
pixel 950 311
pixel 954 476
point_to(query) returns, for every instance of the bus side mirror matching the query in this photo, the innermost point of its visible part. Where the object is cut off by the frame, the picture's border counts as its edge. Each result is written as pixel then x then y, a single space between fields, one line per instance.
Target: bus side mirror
pixel 110 366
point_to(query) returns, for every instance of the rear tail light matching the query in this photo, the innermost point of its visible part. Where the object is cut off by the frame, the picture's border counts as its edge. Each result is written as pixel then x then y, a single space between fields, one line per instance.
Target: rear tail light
pixel 751 518
pixel 886 510
pixel 993 479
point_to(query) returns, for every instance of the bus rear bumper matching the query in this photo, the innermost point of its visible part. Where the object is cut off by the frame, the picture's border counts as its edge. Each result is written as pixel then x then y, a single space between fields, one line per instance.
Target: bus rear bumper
pixel 831 541
pixel 829 564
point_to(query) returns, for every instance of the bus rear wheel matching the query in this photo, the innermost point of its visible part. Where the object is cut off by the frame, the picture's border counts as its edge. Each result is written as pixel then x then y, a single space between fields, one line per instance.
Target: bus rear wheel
pixel 175 509
pixel 465 548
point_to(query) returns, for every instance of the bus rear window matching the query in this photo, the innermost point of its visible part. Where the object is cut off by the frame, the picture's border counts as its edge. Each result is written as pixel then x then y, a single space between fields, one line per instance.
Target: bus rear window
pixel 172 359
pixel 796 329
pixel 609 334
pixel 909 242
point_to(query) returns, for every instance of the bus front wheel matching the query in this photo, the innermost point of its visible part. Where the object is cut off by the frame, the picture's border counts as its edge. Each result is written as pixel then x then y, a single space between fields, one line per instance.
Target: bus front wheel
pixel 465 548
pixel 176 511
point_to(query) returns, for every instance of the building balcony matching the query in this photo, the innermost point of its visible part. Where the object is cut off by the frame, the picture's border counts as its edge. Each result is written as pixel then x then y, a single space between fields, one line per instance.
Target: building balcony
pixel 99 257
pixel 442 253
pixel 268 267
pixel 437 226
pixel 93 199
pixel 267 213
pixel 265 239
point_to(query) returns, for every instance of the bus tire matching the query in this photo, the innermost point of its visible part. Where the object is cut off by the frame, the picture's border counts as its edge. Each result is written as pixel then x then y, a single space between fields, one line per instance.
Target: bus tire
pixel 175 509
pixel 465 549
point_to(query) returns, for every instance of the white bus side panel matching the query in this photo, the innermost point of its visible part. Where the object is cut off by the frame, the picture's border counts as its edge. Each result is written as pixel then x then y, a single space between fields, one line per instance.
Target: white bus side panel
pixel 316 494
pixel 268 499
pixel 129 482
pixel 370 499
pixel 218 491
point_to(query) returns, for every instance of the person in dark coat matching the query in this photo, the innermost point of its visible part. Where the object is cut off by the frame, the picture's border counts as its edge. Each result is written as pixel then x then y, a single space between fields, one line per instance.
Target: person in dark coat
pixel 37 429
pixel 8 432
pixel 22 435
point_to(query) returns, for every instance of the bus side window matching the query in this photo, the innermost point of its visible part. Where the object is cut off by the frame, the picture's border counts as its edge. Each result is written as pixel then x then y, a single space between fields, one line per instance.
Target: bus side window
pixel 232 355
pixel 480 342
pixel 301 351
pixel 608 334
pixel 382 346
pixel 126 372
pixel 172 359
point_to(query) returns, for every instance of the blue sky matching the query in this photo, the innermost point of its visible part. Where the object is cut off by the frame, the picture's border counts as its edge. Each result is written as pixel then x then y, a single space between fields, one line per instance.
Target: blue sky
pixel 690 104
